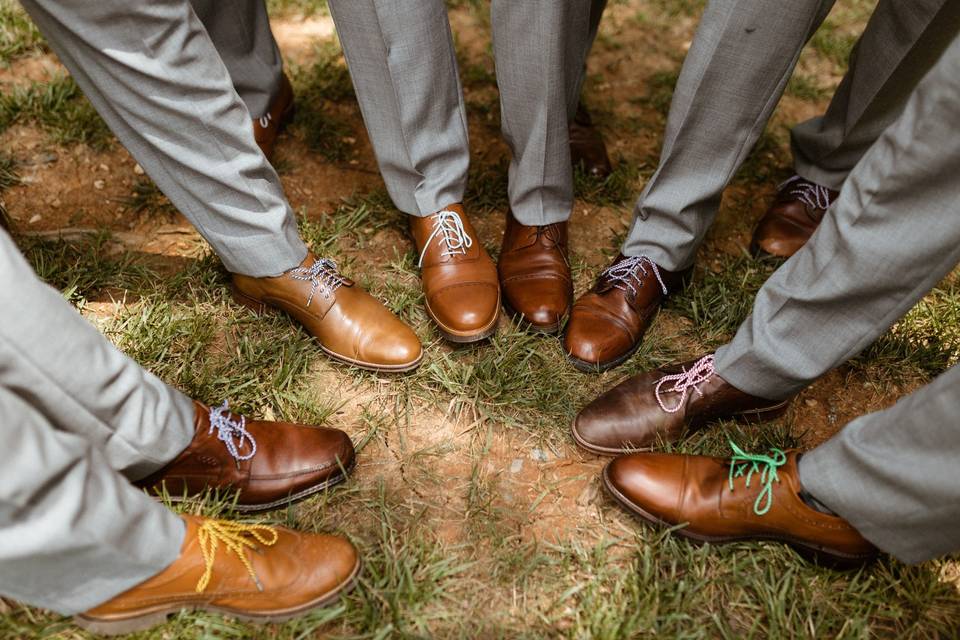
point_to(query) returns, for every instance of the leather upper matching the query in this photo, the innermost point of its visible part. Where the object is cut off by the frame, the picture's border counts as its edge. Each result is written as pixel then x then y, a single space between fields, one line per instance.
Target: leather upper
pixel 266 129
pixel 587 147
pixel 789 222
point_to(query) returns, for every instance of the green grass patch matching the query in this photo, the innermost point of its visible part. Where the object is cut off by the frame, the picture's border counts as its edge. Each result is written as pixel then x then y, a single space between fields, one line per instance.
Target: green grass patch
pixel 19 37
pixel 58 107
pixel 320 87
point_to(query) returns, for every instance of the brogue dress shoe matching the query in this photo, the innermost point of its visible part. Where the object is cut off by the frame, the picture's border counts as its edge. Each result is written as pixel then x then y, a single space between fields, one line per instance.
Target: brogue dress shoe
pixel 252 572
pixel 745 497
pixel 459 278
pixel 608 322
pixel 587 148
pixel 270 464
pixel 268 127
pixel 535 274
pixel 661 405
pixel 792 218
pixel 351 325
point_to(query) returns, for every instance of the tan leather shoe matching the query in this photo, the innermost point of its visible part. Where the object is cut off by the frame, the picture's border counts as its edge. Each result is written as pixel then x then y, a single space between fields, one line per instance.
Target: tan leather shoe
pixel 587 148
pixel 351 325
pixel 792 218
pixel 746 497
pixel 608 322
pixel 535 274
pixel 270 464
pixel 267 128
pixel 459 278
pixel 252 572
pixel 663 404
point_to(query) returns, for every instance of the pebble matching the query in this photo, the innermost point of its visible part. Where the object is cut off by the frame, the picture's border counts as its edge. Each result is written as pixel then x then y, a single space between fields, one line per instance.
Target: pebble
pixel 516 466
pixel 539 455
pixel 99 184
pixel 35 218
pixel 137 169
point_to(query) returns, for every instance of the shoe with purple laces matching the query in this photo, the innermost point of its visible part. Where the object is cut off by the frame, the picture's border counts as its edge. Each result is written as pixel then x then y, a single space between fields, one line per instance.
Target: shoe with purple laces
pixel 792 218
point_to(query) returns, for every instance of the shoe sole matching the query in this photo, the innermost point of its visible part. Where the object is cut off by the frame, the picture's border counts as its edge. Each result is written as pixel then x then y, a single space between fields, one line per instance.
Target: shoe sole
pixel 599 367
pixel 519 318
pixel 744 417
pixel 261 308
pixel 817 553
pixel 147 620
pixel 461 337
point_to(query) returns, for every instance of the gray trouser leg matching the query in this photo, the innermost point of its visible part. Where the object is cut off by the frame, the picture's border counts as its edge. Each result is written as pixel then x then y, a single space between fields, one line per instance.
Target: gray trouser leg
pixel 240 30
pixel 404 69
pixel 540 47
pixel 891 236
pixel 902 41
pixel 742 56
pixel 893 474
pixel 152 72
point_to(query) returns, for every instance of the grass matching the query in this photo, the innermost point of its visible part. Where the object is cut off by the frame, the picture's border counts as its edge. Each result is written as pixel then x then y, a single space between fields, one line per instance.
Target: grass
pixel 59 108
pixel 19 37
pixel 319 86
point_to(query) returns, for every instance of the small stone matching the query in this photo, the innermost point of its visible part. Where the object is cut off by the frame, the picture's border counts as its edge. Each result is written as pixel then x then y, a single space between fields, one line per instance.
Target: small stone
pixel 104 167
pixel 810 402
pixel 588 495
pixel 35 218
pixel 137 169
pixel 516 466
pixel 539 455
pixel 55 203
pixel 99 184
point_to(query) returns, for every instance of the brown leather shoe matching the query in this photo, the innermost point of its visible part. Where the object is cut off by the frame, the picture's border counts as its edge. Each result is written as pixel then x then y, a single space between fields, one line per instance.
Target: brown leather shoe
pixel 252 572
pixel 746 497
pixel 351 325
pixel 535 274
pixel 267 128
pixel 270 464
pixel 459 278
pixel 662 405
pixel 586 145
pixel 792 218
pixel 608 322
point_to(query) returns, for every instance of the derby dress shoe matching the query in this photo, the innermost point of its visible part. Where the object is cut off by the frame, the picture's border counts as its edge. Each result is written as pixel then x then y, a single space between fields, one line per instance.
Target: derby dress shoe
pixel 252 572
pixel 270 464
pixel 267 128
pixel 792 218
pixel 608 322
pixel 459 277
pixel 535 274
pixel 587 148
pixel 664 403
pixel 351 325
pixel 745 497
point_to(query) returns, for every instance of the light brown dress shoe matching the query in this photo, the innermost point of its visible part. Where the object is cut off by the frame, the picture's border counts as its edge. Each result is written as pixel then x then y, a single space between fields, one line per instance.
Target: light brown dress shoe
pixel 746 497
pixel 792 218
pixel 459 277
pixel 663 404
pixel 270 464
pixel 587 148
pixel 252 572
pixel 535 274
pixel 351 325
pixel 267 128
pixel 608 322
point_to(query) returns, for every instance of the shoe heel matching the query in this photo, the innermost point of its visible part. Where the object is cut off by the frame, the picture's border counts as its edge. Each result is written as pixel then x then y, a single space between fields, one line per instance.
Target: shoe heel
pixel 251 303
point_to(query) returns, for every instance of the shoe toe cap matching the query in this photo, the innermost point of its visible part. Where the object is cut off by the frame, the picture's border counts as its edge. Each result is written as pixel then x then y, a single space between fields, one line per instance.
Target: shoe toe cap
pixel 466 308
pixel 591 340
pixel 647 483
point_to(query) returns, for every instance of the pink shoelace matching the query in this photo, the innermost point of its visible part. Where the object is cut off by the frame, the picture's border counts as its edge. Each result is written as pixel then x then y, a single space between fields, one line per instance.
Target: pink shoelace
pixel 701 371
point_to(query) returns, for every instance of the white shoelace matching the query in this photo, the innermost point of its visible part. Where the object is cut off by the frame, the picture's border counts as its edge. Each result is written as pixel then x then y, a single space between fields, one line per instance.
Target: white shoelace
pixel 228 430
pixel 448 227
pixel 266 120
pixel 811 194
pixel 701 371
pixel 628 271
pixel 322 274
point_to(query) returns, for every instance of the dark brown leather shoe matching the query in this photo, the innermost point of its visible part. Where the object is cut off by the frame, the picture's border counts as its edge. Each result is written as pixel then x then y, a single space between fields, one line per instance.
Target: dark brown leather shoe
pixel 792 218
pixel 253 572
pixel 608 322
pixel 267 128
pixel 459 277
pixel 746 497
pixel 351 325
pixel 535 274
pixel 270 464
pixel 587 148
pixel 662 405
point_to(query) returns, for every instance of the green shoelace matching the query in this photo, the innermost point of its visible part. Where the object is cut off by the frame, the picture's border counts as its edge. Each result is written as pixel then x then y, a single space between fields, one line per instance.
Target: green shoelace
pixel 743 463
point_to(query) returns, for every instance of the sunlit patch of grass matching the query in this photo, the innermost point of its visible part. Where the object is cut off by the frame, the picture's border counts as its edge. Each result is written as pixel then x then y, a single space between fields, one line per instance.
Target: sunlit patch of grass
pixel 18 35
pixel 305 8
pixel 60 108
pixel 805 87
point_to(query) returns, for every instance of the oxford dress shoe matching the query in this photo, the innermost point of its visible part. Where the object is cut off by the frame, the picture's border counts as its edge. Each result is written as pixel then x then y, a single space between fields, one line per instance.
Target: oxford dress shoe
pixel 535 274
pixel 270 464
pixel 252 572
pixel 661 405
pixel 745 497
pixel 268 127
pixel 608 322
pixel 792 218
pixel 459 277
pixel 351 325
pixel 587 148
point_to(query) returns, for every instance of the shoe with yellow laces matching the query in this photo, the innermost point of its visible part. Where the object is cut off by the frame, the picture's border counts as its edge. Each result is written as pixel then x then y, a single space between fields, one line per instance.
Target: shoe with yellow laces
pixel 252 572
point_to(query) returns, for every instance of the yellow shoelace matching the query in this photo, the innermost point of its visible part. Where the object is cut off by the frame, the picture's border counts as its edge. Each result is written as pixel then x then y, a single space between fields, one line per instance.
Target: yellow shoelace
pixel 236 537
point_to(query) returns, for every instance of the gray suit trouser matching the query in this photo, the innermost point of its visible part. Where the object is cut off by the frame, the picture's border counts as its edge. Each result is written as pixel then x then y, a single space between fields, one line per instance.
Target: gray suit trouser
pixel 153 74
pixel 402 61
pixel 736 70
pixel 78 421
pixel 891 236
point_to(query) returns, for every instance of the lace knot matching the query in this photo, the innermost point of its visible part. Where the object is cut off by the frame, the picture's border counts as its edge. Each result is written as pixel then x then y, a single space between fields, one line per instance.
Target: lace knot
pixel 743 463
pixel 811 194
pixel 322 275
pixel 626 274
pixel 237 538
pixel 229 429
pixel 453 237
pixel 701 371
